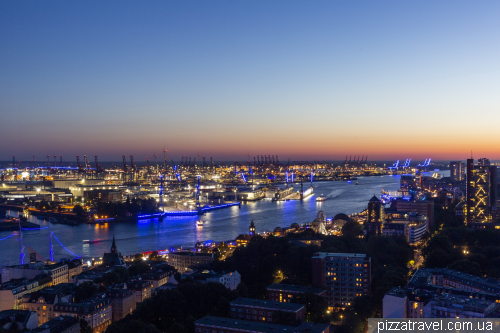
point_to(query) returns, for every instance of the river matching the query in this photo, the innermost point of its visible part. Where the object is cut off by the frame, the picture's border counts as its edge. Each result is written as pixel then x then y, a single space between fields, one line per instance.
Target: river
pixel 219 225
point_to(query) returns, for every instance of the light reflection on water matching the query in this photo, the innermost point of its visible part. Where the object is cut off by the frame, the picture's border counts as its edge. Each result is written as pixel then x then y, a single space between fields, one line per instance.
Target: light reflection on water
pixel 219 225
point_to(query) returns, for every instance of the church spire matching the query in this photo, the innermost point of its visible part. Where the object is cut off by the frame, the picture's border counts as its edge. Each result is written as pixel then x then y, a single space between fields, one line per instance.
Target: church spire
pixel 113 246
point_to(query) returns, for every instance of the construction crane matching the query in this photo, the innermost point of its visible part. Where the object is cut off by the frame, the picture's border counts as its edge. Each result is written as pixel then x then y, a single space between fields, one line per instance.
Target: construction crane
pixel 179 179
pixel 125 169
pixel 98 168
pixel 78 164
pixel 124 164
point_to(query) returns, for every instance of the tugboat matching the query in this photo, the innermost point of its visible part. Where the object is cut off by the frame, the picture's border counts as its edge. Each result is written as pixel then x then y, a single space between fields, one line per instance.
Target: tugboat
pixel 321 198
pixel 199 223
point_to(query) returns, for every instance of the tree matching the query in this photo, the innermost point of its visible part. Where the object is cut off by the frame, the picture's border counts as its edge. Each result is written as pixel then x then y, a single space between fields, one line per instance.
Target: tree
pixel 352 228
pixel 139 267
pixel 78 210
pixel 154 256
pixel 119 275
pixel 316 307
pixel 84 326
pixel 466 266
pixel 85 290
pixel 44 205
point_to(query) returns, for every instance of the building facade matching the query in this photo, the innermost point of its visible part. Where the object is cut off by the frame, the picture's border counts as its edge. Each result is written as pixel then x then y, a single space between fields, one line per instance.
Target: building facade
pixel 122 302
pixel 97 313
pixel 480 192
pixel 181 261
pixel 457 171
pixel 345 276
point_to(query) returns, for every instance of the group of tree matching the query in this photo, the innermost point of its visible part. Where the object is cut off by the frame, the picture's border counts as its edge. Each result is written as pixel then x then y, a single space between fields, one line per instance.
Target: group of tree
pixel 133 206
pixel 472 251
pixel 176 310
pixel 264 260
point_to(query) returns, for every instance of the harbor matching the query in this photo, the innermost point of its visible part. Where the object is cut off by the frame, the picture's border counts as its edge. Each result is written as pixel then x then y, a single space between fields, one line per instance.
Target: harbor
pixel 149 233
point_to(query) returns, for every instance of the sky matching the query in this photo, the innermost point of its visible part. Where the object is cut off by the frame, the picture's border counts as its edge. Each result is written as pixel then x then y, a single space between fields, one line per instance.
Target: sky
pixel 298 79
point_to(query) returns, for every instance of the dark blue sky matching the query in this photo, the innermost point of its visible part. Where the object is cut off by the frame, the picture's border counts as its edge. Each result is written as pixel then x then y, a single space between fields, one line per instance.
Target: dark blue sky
pixel 228 78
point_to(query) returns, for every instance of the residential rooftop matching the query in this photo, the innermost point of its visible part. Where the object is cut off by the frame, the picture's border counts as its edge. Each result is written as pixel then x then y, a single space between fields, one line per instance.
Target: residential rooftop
pixel 295 288
pixel 244 325
pixel 264 304
pixel 58 324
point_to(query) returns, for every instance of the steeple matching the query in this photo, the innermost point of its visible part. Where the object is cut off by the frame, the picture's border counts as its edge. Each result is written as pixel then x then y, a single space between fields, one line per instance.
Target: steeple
pixel 113 246
pixel 252 229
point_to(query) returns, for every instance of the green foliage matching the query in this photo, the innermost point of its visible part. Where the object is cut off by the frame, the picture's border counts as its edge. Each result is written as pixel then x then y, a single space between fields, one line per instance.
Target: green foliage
pixel 43 205
pixel 481 246
pixel 85 290
pixel 316 307
pixel 261 260
pixel 352 228
pixel 132 326
pixel 466 266
pixel 118 275
pixel 176 310
pixel 131 206
pixel 85 327
pixel 78 210
pixel 139 267
pixel 154 256
pixel 352 323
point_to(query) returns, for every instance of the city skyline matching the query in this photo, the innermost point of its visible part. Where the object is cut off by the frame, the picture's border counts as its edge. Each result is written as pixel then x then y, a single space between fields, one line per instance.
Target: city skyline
pixel 389 80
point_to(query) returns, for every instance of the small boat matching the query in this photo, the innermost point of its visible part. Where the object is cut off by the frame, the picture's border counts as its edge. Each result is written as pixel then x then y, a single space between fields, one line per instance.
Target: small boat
pixel 199 223
pixel 86 241
pixel 321 198
pixel 53 220
pixel 357 183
